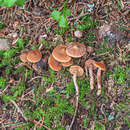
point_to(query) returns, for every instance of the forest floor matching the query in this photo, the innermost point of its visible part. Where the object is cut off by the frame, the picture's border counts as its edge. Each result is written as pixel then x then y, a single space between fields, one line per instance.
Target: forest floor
pixel 46 100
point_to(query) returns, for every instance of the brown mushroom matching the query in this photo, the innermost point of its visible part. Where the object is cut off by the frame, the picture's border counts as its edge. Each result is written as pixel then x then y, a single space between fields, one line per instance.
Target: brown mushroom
pixel 89 65
pixel 34 56
pixel 100 66
pixel 76 71
pixel 75 49
pixel 66 64
pixel 23 57
pixel 54 65
pixel 59 53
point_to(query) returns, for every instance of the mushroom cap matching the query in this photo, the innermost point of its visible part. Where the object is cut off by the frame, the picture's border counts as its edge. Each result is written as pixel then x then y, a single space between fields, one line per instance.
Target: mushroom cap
pixel 66 64
pixel 54 65
pixel 88 62
pixel 75 49
pixel 59 53
pixel 75 69
pixel 23 57
pixel 34 56
pixel 100 65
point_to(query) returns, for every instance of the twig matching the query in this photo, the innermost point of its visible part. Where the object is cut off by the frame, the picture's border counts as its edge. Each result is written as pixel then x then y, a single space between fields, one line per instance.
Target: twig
pixel 19 110
pixel 77 17
pixel 37 77
pixel 77 100
pixel 103 111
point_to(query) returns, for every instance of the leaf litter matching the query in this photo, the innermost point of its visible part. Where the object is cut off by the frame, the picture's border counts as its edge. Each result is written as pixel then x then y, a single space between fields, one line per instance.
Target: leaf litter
pixel 19 98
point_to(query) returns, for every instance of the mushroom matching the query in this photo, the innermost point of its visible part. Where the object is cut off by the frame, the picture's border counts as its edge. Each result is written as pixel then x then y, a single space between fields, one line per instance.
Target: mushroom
pixel 59 53
pixel 89 65
pixel 66 64
pixel 54 65
pixel 100 66
pixel 35 57
pixel 23 57
pixel 78 34
pixel 76 71
pixel 75 49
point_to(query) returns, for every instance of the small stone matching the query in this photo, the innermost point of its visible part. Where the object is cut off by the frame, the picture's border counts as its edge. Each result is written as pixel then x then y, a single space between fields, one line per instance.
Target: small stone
pixel 78 34
pixel 4 44
pixel 90 49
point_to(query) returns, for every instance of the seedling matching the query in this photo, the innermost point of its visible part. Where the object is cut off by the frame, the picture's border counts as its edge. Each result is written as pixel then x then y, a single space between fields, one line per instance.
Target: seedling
pixel 10 3
pixel 61 17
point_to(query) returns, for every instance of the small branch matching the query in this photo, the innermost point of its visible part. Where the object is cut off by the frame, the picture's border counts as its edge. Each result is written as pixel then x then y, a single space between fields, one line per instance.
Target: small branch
pixel 19 110
pixel 91 77
pixel 77 100
pixel 99 82
pixel 103 112
pixel 37 77
pixel 78 17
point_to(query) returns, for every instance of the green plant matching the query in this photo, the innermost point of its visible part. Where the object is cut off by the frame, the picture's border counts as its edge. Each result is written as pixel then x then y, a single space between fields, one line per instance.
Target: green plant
pixel 10 3
pixel 3 83
pixel 119 75
pixel 61 16
pixel 103 48
pixel 87 23
pixel 2 25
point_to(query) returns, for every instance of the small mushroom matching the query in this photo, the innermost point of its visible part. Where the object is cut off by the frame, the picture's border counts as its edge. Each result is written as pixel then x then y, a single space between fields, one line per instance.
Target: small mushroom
pixel 54 65
pixel 66 64
pixel 89 65
pixel 78 34
pixel 75 49
pixel 23 57
pixel 76 71
pixel 59 53
pixel 35 57
pixel 100 66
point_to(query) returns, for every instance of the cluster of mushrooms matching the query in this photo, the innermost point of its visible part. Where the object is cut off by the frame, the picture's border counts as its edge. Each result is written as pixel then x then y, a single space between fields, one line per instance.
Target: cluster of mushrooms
pixel 33 59
pixel 62 56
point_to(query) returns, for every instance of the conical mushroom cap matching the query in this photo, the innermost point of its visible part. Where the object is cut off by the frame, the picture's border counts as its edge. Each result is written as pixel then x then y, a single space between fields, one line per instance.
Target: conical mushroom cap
pixel 66 64
pixel 34 56
pixel 75 69
pixel 75 49
pixel 23 57
pixel 54 65
pixel 59 53
pixel 100 65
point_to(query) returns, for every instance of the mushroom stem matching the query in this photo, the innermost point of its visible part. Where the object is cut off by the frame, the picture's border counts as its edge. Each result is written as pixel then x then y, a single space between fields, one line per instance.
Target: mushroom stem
pixel 86 70
pixel 40 47
pixel 77 99
pixel 91 77
pixel 99 82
